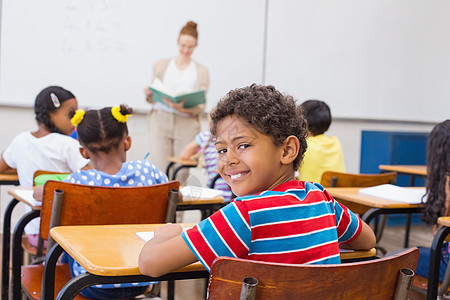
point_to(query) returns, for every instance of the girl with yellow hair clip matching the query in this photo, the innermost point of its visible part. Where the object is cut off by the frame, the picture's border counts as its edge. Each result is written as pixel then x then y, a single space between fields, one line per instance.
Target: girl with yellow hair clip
pixel 103 135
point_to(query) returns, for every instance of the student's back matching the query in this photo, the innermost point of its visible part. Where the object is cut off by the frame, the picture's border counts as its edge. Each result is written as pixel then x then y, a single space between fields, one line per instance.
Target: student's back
pixel 324 153
pixel 437 195
pixel 54 152
pixel 104 137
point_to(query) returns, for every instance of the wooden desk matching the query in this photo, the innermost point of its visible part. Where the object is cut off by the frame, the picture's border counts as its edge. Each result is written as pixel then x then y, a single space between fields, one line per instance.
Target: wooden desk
pixel 183 163
pixel 17 253
pixel 411 170
pixel 9 179
pixel 370 207
pixel 110 255
pixel 435 257
pixel 358 255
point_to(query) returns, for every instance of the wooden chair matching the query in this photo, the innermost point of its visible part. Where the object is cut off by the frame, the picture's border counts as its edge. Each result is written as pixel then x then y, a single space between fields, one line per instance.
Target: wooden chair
pixel 33 252
pixel 337 179
pixel 431 287
pixel 94 205
pixel 372 279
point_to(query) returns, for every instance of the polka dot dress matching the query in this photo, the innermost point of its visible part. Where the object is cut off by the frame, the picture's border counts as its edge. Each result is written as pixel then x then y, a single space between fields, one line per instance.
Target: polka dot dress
pixel 134 173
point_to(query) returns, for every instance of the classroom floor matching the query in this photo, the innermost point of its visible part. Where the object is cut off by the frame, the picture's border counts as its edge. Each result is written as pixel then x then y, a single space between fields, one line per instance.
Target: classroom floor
pixel 393 237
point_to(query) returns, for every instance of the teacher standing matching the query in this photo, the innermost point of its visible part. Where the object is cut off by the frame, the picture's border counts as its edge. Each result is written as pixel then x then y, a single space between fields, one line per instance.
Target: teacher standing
pixel 171 126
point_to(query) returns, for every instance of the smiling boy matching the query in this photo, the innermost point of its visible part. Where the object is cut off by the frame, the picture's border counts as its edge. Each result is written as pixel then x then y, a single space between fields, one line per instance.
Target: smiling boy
pixel 261 138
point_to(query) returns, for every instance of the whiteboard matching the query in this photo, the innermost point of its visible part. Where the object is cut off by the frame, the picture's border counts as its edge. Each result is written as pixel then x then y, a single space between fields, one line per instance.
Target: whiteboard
pixel 375 59
pixel 103 50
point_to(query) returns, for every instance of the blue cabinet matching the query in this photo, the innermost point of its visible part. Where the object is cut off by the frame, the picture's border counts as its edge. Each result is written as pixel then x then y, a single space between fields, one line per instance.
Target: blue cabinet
pixel 393 148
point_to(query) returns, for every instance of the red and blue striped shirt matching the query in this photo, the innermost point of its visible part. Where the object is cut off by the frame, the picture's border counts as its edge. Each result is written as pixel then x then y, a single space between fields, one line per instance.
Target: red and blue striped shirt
pixel 296 223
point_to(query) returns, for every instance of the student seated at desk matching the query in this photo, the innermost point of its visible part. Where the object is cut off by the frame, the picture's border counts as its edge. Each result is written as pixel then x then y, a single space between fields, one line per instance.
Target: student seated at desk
pixel 261 138
pixel 324 153
pixel 437 194
pixel 204 144
pixel 49 148
pixel 103 135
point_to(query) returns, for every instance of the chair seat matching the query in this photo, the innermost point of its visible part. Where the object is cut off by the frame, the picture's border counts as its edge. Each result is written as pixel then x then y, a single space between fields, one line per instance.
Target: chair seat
pixel 421 283
pixel 32 278
pixel 28 248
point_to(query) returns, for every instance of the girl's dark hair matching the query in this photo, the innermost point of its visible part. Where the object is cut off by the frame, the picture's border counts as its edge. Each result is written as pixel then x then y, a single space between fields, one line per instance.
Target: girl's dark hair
pixel 99 131
pixel 268 111
pixel 318 115
pixel 44 105
pixel 438 167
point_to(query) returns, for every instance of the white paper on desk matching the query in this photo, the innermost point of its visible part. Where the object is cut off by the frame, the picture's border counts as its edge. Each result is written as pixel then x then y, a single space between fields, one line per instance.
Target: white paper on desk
pixel 145 235
pixel 196 192
pixel 396 193
pixel 148 235
pixel 27 195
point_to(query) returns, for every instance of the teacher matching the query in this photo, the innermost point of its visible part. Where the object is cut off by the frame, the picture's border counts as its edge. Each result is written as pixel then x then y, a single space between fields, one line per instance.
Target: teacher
pixel 171 126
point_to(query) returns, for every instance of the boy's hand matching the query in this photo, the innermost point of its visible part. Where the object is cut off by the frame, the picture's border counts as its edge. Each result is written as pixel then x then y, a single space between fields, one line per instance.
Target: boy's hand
pixel 165 252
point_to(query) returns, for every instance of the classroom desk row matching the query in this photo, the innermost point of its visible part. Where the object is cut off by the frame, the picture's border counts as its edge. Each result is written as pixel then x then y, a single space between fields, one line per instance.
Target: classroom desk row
pixel 110 255
pixel 92 253
pixel 370 207
pixel 203 204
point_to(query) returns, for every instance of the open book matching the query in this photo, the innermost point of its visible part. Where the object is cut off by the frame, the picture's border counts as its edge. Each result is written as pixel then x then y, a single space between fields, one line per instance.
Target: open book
pixel 160 91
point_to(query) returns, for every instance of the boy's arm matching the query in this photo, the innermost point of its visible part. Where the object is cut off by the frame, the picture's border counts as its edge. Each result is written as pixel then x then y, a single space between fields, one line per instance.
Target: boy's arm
pixel 166 252
pixel 4 168
pixel 366 239
pixel 189 150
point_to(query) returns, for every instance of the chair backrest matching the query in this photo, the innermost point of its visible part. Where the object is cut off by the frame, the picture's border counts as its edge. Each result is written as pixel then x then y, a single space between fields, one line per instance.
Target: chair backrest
pixel 98 205
pixel 338 179
pixel 372 279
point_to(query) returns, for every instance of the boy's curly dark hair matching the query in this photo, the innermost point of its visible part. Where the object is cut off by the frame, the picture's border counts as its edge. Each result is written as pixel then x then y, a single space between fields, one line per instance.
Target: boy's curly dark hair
pixel 438 167
pixel 43 105
pixel 268 111
pixel 99 131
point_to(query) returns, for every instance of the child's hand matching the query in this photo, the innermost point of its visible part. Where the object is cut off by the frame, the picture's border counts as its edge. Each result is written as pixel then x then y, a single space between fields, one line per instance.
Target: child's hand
pixel 168 231
pixel 38 193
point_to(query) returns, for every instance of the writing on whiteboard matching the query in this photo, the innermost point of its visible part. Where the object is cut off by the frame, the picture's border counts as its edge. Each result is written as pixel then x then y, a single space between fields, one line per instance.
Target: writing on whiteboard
pixel 91 27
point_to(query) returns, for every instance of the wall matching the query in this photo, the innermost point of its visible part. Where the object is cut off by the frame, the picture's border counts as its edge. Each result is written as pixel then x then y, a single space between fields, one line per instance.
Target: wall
pixel 374 59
